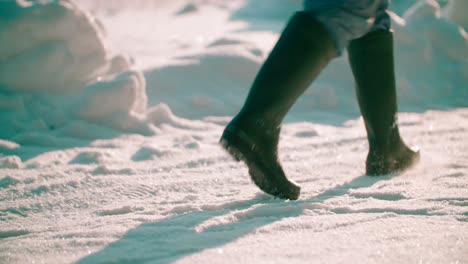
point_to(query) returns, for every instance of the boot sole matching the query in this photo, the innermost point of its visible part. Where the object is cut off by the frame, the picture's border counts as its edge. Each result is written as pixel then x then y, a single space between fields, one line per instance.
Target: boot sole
pixel 236 147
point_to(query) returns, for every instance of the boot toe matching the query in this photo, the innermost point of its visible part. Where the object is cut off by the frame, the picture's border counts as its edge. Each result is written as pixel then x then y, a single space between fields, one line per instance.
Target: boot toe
pixel 264 168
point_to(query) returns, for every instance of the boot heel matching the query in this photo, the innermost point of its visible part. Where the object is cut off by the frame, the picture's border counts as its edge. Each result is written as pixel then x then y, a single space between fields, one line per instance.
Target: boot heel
pixel 231 150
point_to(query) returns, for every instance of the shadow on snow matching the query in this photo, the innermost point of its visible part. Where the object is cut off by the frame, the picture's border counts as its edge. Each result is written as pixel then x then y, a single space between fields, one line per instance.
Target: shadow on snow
pixel 174 238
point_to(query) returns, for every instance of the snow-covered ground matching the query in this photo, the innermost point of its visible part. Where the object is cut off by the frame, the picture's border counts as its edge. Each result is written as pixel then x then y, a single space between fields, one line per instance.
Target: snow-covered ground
pixel 109 130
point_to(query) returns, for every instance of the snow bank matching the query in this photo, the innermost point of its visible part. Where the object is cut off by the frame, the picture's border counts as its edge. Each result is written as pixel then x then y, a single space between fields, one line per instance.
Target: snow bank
pixel 431 57
pixel 57 69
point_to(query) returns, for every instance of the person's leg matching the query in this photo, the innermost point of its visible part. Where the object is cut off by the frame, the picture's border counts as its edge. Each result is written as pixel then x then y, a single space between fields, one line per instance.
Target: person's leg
pixel 310 40
pixel 302 51
pixel 371 60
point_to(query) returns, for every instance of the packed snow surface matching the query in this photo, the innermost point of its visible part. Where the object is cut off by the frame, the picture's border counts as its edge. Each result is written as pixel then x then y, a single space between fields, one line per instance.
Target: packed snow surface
pixel 111 111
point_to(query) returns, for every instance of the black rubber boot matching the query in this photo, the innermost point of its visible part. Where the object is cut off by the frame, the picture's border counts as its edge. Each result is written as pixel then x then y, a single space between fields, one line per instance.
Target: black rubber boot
pixel 302 51
pixel 371 59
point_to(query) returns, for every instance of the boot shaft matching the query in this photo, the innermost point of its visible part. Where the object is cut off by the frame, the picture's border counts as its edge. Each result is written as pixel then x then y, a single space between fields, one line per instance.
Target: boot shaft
pixel 372 64
pixel 303 50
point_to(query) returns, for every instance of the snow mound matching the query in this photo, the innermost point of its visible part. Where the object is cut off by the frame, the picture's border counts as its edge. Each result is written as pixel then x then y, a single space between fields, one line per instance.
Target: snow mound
pixel 431 57
pixel 51 79
pixel 68 55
